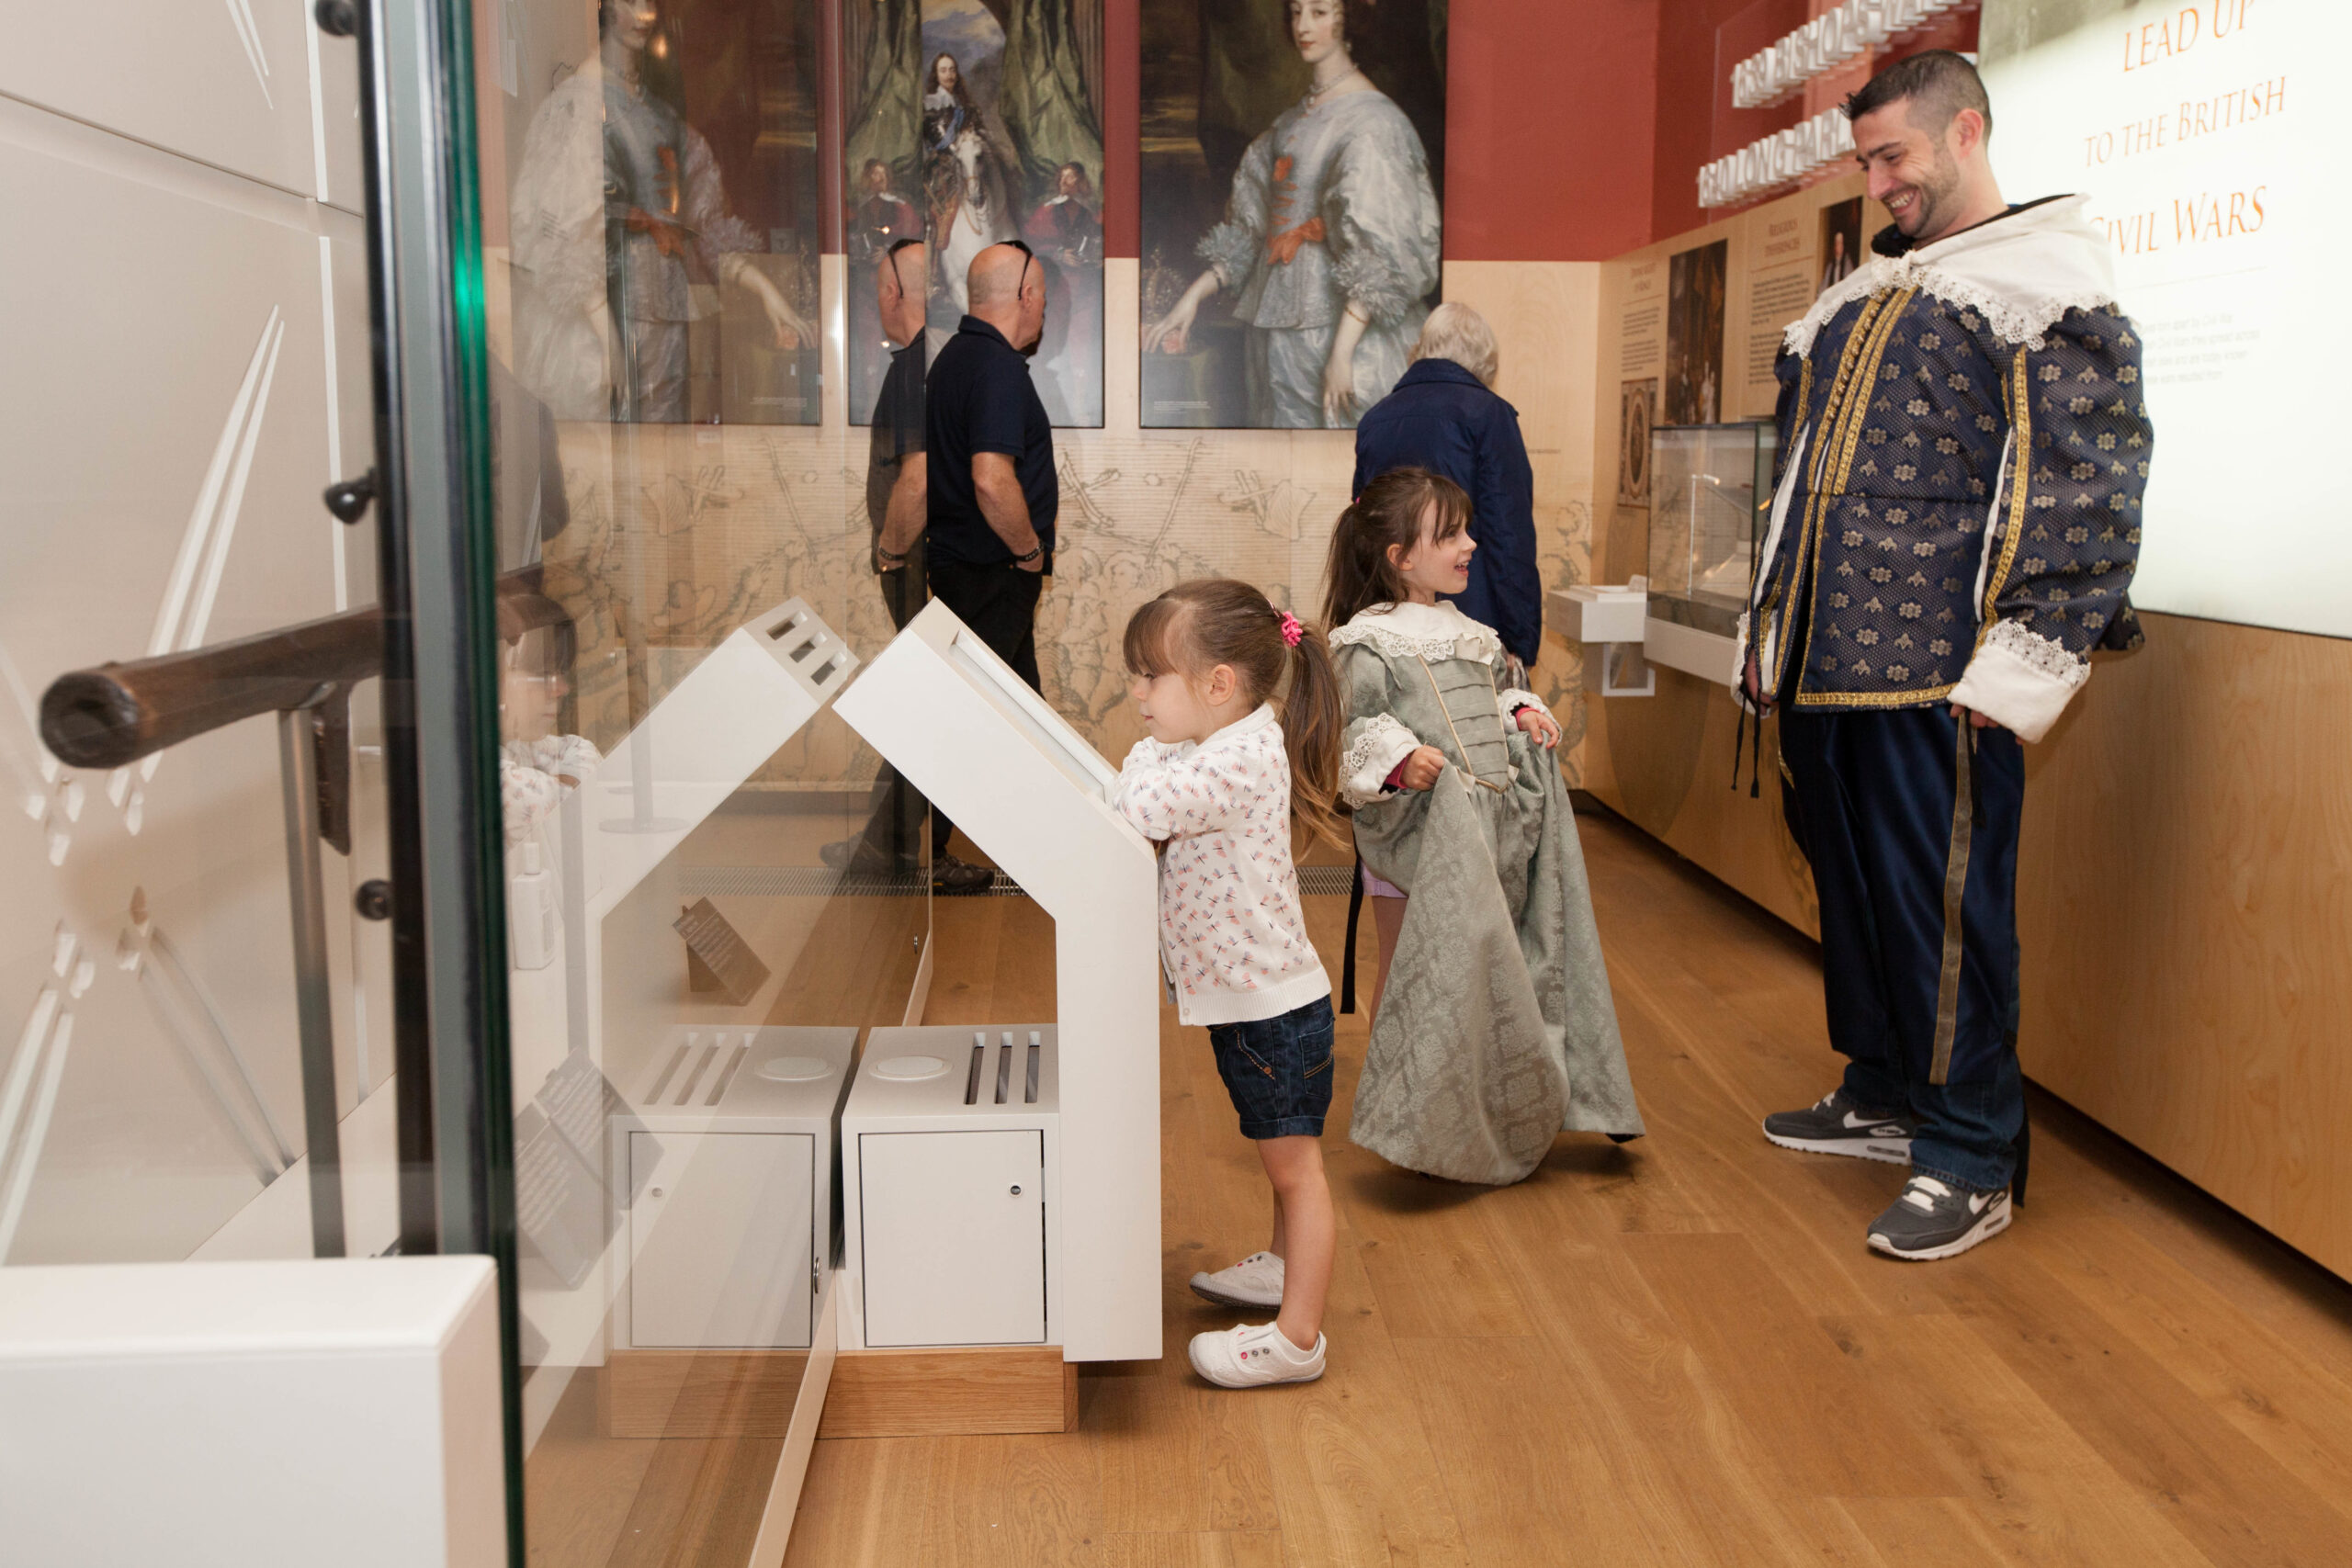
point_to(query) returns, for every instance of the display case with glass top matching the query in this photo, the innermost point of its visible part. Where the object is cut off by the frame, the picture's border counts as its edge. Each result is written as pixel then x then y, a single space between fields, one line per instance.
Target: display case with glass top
pixel 1710 490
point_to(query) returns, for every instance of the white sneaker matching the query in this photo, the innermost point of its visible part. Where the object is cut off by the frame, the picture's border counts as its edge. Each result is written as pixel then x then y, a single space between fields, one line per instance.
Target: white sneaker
pixel 1255 1282
pixel 1252 1355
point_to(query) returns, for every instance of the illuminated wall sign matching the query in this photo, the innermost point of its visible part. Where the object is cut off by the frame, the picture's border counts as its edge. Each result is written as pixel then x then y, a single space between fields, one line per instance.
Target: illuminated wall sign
pixel 2200 132
pixel 1780 159
pixel 1829 42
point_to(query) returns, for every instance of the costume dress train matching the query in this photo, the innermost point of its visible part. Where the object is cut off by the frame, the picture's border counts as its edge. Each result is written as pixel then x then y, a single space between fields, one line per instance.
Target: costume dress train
pixel 1331 205
pixel 1496 1031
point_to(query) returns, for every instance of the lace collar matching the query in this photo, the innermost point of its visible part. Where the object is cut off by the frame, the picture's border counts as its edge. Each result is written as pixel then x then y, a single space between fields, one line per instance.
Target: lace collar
pixel 1432 631
pixel 2022 273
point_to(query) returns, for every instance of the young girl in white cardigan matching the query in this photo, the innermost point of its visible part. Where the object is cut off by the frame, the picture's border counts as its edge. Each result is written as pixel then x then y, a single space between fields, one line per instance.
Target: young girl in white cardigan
pixel 1231 761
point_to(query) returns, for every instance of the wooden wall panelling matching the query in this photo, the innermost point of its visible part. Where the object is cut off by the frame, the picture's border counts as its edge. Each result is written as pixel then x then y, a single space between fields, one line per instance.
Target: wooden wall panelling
pixel 2186 917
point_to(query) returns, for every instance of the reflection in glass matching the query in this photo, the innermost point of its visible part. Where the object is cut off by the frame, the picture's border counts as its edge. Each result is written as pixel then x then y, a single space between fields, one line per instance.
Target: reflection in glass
pixel 983 124
pixel 625 239
pixel 713 888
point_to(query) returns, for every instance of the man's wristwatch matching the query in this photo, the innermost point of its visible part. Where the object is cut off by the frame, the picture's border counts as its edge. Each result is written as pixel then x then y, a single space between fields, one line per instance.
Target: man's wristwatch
pixel 1035 552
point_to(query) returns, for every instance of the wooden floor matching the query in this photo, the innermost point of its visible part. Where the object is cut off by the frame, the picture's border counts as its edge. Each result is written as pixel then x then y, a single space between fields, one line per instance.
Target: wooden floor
pixel 1677 1353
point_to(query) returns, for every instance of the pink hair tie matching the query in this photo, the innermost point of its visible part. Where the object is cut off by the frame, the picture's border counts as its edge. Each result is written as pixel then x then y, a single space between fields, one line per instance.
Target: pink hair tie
pixel 1292 631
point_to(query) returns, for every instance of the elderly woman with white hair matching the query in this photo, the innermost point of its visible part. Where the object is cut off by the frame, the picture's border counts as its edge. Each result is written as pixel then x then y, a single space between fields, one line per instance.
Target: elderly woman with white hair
pixel 1444 416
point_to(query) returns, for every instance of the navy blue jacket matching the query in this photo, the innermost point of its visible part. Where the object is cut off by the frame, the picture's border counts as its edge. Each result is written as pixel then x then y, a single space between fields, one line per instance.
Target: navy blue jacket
pixel 1442 418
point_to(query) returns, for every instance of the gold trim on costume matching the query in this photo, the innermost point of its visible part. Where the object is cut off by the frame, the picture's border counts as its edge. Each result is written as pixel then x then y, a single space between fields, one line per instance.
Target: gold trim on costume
pixel 1875 312
pixel 1964 810
pixel 2021 425
pixel 1805 699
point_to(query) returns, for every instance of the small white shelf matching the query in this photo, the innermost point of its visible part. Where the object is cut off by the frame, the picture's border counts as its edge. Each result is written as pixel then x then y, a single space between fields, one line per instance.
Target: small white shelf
pixel 1615 617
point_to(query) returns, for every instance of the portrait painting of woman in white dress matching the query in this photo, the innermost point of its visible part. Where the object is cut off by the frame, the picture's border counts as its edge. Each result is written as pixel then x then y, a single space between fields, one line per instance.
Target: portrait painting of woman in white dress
pixel 1326 257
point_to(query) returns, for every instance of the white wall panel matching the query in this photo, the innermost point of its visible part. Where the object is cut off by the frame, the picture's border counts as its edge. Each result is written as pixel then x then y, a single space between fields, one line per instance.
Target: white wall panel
pixel 224 82
pixel 164 405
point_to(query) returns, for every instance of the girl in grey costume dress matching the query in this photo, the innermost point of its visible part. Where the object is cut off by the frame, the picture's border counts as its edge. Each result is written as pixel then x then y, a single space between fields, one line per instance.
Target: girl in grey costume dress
pixel 1495 1030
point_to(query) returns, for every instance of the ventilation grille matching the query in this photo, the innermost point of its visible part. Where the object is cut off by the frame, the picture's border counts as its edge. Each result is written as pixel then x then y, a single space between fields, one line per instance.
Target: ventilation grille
pixel 700 1069
pixel 991 1069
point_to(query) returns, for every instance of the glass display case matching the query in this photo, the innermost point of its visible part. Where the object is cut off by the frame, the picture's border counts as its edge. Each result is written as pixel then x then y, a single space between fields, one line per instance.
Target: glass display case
pixel 1711 490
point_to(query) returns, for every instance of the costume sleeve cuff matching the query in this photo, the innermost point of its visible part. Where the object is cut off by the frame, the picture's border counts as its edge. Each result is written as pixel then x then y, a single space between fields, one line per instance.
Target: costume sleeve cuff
pixel 1513 699
pixel 1379 744
pixel 2021 680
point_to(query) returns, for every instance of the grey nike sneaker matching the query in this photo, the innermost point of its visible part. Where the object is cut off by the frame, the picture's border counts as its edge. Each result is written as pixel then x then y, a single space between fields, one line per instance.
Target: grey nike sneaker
pixel 1936 1219
pixel 1835 1126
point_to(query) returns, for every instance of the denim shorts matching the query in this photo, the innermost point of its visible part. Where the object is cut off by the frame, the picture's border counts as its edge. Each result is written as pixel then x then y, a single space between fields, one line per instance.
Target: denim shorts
pixel 1278 1070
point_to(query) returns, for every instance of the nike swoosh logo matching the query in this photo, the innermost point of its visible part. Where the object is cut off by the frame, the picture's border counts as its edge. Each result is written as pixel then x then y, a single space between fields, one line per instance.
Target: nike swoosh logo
pixel 1881 1129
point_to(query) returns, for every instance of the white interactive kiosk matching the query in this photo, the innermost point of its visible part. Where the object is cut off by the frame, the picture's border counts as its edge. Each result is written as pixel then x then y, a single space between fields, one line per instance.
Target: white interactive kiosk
pixel 1026 787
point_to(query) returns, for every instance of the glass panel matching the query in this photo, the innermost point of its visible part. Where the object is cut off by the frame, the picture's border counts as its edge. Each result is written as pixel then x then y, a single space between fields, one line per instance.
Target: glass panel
pixel 154 1104
pixel 1710 487
pixel 713 886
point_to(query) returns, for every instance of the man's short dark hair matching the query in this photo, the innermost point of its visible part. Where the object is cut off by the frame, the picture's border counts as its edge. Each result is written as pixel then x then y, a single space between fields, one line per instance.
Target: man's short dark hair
pixel 1938 84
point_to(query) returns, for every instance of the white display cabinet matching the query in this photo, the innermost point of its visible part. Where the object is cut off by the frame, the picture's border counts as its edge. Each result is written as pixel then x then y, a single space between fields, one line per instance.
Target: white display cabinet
pixel 724 1158
pixel 1029 791
pixel 951 1165
pixel 716 727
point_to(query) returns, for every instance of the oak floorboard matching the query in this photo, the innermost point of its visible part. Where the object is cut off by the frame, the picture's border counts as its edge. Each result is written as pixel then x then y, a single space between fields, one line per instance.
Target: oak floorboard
pixel 1545 1497
pixel 2295 1409
pixel 1924 1533
pixel 1676 1450
pixel 2230 1498
pixel 2044 1493
pixel 1783 1373
pixel 1240 1548
pixel 1355 1477
pixel 579 1485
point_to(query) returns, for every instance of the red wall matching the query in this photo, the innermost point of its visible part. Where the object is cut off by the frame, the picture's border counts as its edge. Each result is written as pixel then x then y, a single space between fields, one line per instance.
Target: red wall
pixel 1549 110
pixel 1695 122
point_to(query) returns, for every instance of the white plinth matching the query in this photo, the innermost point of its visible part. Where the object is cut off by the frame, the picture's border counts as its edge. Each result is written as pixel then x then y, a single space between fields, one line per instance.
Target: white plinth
pixel 1027 788
pixel 1589 613
pixel 252 1414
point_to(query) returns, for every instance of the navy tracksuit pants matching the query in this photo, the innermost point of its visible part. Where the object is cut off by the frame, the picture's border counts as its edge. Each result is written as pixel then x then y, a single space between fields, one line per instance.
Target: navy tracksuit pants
pixel 1910 820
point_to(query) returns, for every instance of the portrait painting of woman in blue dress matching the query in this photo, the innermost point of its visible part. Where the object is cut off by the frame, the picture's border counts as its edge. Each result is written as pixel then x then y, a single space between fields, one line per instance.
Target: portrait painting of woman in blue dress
pixel 1328 250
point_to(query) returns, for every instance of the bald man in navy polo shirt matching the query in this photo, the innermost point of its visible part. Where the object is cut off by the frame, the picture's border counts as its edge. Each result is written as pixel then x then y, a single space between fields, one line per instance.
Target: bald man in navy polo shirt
pixel 993 490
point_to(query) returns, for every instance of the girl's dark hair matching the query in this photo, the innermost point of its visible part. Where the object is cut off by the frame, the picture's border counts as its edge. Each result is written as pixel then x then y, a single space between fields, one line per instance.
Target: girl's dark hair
pixel 1197 626
pixel 1389 512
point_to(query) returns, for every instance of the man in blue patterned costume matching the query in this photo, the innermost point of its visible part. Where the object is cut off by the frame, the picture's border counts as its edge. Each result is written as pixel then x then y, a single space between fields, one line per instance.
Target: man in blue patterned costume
pixel 1965 445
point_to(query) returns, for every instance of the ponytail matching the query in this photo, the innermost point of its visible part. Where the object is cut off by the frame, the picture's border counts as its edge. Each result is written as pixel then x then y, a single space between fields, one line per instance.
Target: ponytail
pixel 1197 626
pixel 1312 719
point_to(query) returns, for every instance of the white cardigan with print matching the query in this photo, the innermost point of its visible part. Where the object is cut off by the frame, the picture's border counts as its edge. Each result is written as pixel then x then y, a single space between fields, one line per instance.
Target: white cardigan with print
pixel 1232 936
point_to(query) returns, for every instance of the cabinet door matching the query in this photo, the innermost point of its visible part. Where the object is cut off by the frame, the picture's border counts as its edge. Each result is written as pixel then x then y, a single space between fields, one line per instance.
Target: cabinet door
pixel 720 1239
pixel 955 1237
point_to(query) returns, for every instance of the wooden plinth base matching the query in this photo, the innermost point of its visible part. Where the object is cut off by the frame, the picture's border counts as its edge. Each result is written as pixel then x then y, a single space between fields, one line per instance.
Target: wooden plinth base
pixel 905 1393
pixel 873 1393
